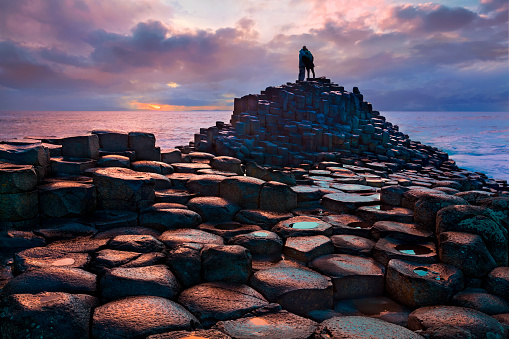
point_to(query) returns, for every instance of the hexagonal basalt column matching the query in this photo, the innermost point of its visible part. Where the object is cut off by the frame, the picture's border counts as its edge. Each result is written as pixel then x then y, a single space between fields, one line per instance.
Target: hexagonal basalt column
pixel 297 290
pixel 352 276
pixel 416 284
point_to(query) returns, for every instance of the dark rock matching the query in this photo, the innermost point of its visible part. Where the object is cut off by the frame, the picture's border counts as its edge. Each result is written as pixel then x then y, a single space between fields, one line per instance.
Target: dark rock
pixel 411 196
pixel 362 327
pixel 39 257
pixel 182 167
pixel 200 334
pixel 260 244
pixel 500 206
pixel 155 280
pixel 375 307
pixel 84 146
pixel 474 197
pixel 172 195
pixel 264 219
pixel 17 178
pixel 205 185
pixel 299 291
pixel 497 282
pixel 140 316
pixel 228 263
pixel 477 323
pixel 52 279
pixel 146 259
pixel 67 199
pixel 308 248
pixel 389 248
pixel 109 219
pixel 78 245
pixel 173 238
pixel 467 252
pixel 416 284
pixel 213 209
pixel 162 218
pixel 135 230
pixel 112 258
pixel 426 208
pixel 480 300
pixel 349 224
pixel 243 191
pixel 114 161
pixel 277 197
pixel 213 302
pixel 407 232
pixel 157 167
pixel 122 188
pixel 113 141
pixel 392 195
pixel 273 325
pixel 376 213
pixel 348 203
pixel 185 262
pixel 228 229
pixel 352 244
pixel 47 315
pixel 227 164
pixel 302 226
pixel 66 231
pixel 477 220
pixel 18 207
pixel 136 243
pixel 352 276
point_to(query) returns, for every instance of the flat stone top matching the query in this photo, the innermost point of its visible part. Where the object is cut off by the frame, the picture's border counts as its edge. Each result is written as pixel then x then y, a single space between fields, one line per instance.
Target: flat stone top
pixel 306 243
pixel 353 188
pixel 476 322
pixel 438 273
pixel 121 173
pixel 56 185
pixel 8 167
pixel 340 265
pixel 280 280
pixel 363 328
pixel 353 198
pixel 180 236
pixel 399 227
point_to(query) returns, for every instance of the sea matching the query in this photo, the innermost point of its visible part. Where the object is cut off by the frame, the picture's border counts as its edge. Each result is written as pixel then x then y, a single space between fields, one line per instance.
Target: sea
pixel 477 141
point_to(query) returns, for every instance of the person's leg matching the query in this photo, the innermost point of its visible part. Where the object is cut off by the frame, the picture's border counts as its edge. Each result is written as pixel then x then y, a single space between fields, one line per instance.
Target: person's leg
pixel 302 73
pixel 312 70
pixel 308 71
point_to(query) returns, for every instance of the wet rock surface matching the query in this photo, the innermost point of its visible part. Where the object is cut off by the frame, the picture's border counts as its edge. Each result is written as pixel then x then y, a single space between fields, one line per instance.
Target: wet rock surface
pixel 309 200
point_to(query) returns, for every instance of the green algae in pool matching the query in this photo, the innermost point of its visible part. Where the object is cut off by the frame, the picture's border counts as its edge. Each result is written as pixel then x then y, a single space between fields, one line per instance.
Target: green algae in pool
pixel 304 225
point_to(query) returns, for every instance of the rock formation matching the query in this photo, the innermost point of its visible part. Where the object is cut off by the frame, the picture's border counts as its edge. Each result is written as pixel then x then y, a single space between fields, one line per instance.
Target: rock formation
pixel 309 215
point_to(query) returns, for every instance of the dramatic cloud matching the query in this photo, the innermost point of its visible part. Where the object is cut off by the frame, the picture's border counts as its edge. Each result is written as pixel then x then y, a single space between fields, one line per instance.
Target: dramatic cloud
pixel 168 55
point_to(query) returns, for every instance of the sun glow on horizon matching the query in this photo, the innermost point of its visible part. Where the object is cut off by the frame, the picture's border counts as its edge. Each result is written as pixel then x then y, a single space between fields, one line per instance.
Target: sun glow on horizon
pixel 142 106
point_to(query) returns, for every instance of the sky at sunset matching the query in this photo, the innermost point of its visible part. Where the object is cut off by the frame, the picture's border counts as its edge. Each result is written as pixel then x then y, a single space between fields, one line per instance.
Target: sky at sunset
pixel 407 55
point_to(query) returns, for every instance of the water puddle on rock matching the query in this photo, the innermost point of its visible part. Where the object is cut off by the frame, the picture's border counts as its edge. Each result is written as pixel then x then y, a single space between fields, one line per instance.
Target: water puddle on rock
pixel 375 307
pixel 260 234
pixel 423 271
pixel 63 262
pixel 227 226
pixel 359 224
pixel 304 225
pixel 413 249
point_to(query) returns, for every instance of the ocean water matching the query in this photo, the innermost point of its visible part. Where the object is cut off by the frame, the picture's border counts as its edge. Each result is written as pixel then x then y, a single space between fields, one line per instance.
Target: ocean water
pixel 476 141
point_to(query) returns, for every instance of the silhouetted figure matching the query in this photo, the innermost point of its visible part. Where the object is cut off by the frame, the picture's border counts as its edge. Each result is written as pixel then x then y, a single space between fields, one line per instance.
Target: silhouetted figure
pixel 305 63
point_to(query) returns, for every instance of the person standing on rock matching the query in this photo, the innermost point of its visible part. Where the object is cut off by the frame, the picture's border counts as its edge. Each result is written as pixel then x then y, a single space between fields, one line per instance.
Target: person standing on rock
pixel 305 63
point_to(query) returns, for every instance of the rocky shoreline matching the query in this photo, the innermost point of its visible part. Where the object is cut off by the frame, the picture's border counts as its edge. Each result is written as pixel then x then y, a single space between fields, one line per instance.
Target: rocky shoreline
pixel 307 216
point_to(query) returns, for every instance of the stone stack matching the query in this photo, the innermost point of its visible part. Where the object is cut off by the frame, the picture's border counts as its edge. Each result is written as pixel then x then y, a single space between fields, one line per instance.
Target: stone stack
pixel 308 122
